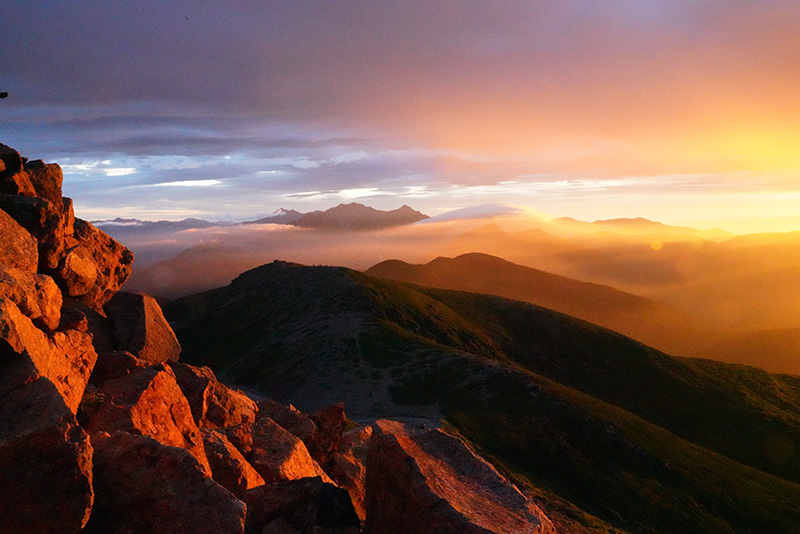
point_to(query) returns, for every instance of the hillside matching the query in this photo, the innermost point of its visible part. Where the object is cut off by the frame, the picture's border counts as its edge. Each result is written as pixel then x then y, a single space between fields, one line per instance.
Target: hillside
pixel 646 320
pixel 644 441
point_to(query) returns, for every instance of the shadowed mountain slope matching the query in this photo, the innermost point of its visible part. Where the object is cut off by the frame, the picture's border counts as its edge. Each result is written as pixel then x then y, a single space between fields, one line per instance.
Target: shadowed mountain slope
pixel 640 439
pixel 646 320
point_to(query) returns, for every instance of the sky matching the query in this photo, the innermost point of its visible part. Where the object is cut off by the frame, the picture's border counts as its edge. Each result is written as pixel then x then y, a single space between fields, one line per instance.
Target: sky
pixel 680 111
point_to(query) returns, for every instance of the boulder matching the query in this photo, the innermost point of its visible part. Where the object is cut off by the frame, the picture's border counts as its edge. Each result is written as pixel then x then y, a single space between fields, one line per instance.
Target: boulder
pixel 26 353
pixel 44 221
pixel 146 487
pixel 11 159
pixel 77 272
pixel 112 260
pixel 228 467
pixel 45 463
pixel 36 295
pixel 140 327
pixel 330 422
pixel 320 431
pixel 302 504
pixel 46 179
pixel 16 183
pixel 214 405
pixel 149 402
pixel 425 480
pixel 115 364
pixel 98 325
pixel 279 455
pixel 73 319
pixel 18 248
pixel 348 467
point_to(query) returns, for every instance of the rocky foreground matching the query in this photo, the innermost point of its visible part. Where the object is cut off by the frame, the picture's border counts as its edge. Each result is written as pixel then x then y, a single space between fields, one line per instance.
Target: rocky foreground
pixel 105 431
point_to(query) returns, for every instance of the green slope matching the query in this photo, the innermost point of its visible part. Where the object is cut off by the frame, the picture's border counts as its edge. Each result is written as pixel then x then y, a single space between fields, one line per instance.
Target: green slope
pixel 580 411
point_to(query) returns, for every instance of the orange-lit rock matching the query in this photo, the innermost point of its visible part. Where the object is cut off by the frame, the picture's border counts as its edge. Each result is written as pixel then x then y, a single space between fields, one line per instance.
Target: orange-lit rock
pixel 77 272
pixel 45 463
pixel 214 405
pixel 425 480
pixel 43 220
pixel 115 364
pixel 149 402
pixel 46 179
pixel 18 248
pixel 16 183
pixel 279 455
pixel 36 295
pixel 140 327
pixel 348 466
pixel 228 466
pixel 26 353
pixel 143 486
pixel 303 505
pixel 113 262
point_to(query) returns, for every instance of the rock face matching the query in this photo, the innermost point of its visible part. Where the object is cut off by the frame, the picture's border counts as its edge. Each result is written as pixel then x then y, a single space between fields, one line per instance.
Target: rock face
pixel 214 405
pixel 18 248
pixel 36 295
pixel 348 467
pixel 27 353
pixel 112 260
pixel 229 468
pixel 150 402
pixel 279 455
pixel 141 329
pixel 145 486
pixel 45 463
pixel 423 480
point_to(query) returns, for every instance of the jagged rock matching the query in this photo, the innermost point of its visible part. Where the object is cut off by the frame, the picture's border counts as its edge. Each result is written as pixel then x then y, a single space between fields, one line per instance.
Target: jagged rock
pixel 45 463
pixel 229 468
pixel 43 220
pixel 214 405
pixel 348 467
pixel 279 455
pixel 113 262
pixel 115 364
pixel 68 213
pixel 11 159
pixel 149 402
pixel 330 422
pixel 26 353
pixel 140 327
pixel 320 431
pixel 241 436
pixel 291 419
pixel 423 480
pixel 17 183
pixel 302 504
pixel 77 272
pixel 36 295
pixel 146 487
pixel 18 248
pixel 46 179
pixel 98 325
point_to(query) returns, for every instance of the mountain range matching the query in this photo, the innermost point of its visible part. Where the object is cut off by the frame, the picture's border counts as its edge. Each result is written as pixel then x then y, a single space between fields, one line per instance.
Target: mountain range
pixel 620 435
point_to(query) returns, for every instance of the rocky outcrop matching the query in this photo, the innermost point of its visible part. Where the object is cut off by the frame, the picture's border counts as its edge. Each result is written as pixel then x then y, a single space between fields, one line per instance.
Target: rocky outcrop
pixel 214 405
pixel 320 431
pixel 112 260
pixel 425 480
pixel 18 248
pixel 36 295
pixel 228 467
pixel 45 463
pixel 348 467
pixel 145 486
pixel 27 353
pixel 279 455
pixel 302 505
pixel 141 329
pixel 150 402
